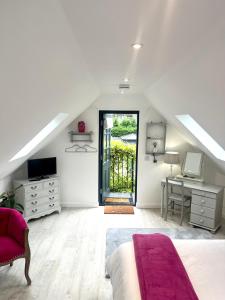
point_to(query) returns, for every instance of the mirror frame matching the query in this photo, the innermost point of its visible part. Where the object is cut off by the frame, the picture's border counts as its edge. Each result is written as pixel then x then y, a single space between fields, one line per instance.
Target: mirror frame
pixel 201 164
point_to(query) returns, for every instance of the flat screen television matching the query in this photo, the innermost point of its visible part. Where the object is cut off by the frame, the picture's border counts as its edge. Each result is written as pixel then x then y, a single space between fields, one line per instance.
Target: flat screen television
pixel 41 168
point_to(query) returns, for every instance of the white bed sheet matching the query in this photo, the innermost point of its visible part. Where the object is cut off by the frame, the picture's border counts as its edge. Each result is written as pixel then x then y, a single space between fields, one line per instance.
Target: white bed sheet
pixel 204 261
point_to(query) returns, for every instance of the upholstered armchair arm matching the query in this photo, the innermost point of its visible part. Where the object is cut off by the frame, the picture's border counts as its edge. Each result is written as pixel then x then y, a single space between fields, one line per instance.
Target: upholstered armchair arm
pixel 17 227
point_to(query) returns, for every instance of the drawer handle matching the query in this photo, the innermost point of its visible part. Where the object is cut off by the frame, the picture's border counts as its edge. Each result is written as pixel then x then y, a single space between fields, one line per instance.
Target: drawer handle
pixel 202 201
pixel 201 220
pixel 34 202
pixel 51 183
pixel 33 187
pixel 33 195
pixel 202 211
pixel 51 205
pixel 34 210
pixel 51 191
pixel 51 198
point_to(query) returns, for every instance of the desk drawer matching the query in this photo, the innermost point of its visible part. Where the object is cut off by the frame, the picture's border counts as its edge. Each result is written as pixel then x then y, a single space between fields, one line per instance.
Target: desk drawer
pixel 204 194
pixel 36 202
pixel 203 221
pixel 53 198
pixel 52 190
pixel 32 211
pixel 52 205
pixel 51 183
pixel 203 201
pixel 33 187
pixel 203 211
pixel 35 194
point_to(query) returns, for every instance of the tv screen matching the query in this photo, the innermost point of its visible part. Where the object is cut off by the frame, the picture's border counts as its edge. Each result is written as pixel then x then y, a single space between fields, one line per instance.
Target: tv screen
pixel 41 167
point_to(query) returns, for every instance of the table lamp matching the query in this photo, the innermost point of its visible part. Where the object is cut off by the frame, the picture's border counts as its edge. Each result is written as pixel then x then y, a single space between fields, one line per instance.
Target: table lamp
pixel 172 158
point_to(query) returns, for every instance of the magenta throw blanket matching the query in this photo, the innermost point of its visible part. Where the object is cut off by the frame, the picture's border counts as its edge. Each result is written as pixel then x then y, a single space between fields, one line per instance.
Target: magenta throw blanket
pixel 161 273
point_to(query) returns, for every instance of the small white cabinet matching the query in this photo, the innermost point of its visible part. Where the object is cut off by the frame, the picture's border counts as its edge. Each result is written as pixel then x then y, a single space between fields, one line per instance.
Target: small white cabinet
pixel 206 209
pixel 39 198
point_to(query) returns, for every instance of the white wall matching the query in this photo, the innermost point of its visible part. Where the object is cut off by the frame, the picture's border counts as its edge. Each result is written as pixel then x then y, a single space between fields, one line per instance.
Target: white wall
pixel 79 171
pixel 5 184
pixel 196 87
pixel 42 73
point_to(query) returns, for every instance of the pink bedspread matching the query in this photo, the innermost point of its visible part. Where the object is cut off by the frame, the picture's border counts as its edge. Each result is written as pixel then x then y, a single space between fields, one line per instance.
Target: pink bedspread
pixel 161 273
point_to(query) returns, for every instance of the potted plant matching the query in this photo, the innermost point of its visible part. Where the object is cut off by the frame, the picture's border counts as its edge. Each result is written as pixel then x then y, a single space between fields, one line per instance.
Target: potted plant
pixel 7 199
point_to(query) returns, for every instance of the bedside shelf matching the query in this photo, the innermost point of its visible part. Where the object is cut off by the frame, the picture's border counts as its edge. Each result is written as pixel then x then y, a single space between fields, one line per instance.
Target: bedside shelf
pixel 80 136
pixel 155 138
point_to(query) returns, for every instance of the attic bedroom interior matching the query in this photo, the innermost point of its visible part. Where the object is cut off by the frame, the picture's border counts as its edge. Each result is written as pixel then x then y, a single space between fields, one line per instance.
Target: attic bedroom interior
pixel 112 155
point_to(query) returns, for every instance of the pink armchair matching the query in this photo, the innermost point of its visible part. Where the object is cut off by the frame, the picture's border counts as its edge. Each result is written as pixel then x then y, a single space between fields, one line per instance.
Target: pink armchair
pixel 14 239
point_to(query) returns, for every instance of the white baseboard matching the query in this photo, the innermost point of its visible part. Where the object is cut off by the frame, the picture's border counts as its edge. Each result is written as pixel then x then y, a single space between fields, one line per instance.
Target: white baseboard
pixel 148 205
pixel 80 204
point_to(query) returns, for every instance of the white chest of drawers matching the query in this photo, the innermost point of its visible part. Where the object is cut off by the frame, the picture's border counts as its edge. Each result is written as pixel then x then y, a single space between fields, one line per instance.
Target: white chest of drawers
pixel 39 198
pixel 206 209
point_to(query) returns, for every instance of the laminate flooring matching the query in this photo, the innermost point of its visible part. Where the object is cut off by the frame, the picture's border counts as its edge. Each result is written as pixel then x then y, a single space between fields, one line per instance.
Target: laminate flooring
pixel 68 255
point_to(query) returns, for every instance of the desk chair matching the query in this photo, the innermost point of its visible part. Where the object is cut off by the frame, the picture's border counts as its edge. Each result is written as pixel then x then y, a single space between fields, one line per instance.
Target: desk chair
pixel 176 197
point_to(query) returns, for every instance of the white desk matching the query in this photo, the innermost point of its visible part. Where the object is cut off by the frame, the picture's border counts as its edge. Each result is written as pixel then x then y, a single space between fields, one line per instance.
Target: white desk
pixel 206 204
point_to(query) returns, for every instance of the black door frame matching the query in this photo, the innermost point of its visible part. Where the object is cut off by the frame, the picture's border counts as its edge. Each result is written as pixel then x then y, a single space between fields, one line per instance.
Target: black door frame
pixel 100 157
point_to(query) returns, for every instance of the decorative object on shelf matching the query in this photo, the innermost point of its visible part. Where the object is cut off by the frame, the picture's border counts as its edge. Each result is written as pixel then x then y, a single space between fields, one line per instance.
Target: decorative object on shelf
pixel 155 139
pixel 172 158
pixel 81 126
pixel 80 136
pixel 81 149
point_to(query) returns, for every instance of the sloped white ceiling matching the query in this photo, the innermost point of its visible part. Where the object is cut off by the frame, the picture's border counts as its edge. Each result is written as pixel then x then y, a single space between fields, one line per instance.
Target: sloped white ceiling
pixel 168 29
pixel 59 55
pixel 42 73
pixel 181 65
pixel 196 87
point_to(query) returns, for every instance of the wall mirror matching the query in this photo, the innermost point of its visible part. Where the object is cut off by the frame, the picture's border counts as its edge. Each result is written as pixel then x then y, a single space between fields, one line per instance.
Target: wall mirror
pixel 192 166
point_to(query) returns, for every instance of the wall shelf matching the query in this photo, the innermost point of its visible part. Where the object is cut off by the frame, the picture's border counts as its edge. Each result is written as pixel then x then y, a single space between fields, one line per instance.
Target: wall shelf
pixel 155 138
pixel 76 136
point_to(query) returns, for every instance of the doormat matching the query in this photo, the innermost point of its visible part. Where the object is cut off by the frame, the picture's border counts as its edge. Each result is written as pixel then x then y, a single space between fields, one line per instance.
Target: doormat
pixel 117 200
pixel 118 209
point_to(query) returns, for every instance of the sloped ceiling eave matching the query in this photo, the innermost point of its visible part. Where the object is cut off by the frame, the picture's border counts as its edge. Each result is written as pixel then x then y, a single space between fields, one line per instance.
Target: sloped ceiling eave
pixel 42 73
pixel 196 87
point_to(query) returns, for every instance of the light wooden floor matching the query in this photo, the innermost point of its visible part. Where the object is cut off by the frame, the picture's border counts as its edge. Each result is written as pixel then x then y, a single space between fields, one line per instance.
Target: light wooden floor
pixel 68 255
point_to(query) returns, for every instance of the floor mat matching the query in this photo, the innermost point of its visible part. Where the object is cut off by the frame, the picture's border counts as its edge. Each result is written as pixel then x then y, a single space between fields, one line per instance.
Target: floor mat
pixel 117 200
pixel 118 209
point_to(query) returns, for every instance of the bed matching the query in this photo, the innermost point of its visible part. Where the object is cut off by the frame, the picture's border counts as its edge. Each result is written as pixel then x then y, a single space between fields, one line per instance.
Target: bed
pixel 204 261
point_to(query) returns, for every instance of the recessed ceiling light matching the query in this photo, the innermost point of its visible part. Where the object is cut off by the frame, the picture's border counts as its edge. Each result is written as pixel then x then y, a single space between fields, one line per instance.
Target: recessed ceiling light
pixel 126 79
pixel 137 46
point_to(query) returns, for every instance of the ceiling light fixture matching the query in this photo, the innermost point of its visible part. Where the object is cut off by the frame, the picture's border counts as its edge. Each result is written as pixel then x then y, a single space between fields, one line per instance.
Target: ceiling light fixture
pixel 126 79
pixel 137 46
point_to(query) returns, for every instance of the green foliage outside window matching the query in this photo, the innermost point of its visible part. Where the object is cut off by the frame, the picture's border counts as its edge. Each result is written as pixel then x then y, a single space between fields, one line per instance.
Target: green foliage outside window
pixel 124 126
pixel 122 167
